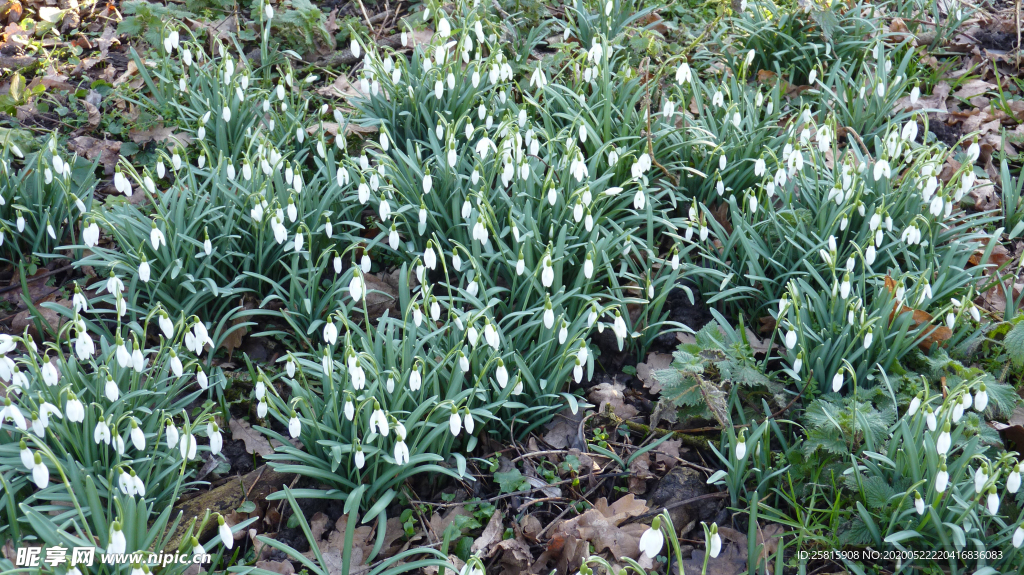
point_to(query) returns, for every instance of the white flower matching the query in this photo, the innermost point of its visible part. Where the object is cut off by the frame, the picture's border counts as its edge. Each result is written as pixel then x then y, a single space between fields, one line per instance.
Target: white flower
pixel 652 540
pixel 791 339
pixel 225 533
pixel 172 435
pixel 401 452
pixel 501 374
pixel 75 410
pixel 101 433
pixel 40 474
pixel 741 450
pixel 918 503
pixel 715 543
pixel 201 378
pixel 294 426
pixel 415 380
pixel 1018 536
pixel 837 381
pixel 981 400
pixel 355 287
pixel 455 423
pixel 683 74
pixel 882 169
pixel 1013 480
pixel 117 541
pixel 137 436
pixel 993 502
pixel 942 445
pixel 216 439
pixel 331 333
pixel 980 478
pixel 931 420
pixel 914 405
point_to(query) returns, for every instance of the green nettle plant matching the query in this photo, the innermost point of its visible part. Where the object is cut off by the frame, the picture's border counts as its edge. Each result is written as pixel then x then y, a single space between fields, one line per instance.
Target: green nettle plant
pixel 41 204
pixel 95 442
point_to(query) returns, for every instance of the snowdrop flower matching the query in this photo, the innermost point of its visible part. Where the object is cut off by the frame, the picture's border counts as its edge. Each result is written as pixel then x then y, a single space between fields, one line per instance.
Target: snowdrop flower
pixel 501 374
pixel 837 381
pixel 201 378
pixel 137 436
pixel 980 477
pixel 225 532
pixel 547 274
pixel 549 315
pixel 918 503
pixel 943 443
pixel 1013 479
pixel 379 421
pixel 216 439
pixel 401 449
pixel 882 169
pixel 294 426
pixel 172 434
pixel 930 419
pixel 981 400
pixel 684 74
pixel 993 501
pixel 101 433
pixel 188 447
pixel 715 541
pixel 914 405
pixel 331 333
pixel 844 289
pixel 40 474
pixel 653 539
pixel 1018 536
pixel 790 339
pixel 455 422
pixel 942 478
pixel 619 328
pixel 741 446
pixel 117 541
pixel 415 379
pixel 74 409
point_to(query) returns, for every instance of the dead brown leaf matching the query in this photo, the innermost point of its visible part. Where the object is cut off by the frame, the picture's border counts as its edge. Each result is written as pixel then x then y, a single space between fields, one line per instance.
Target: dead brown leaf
pixel 611 394
pixel 974 88
pixel 108 151
pixel 281 567
pixel 645 371
pixel 342 88
pixel 160 134
pixel 491 534
pixel 254 441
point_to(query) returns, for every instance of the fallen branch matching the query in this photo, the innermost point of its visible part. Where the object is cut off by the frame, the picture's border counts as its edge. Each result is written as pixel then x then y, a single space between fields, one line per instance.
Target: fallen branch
pixel 686 439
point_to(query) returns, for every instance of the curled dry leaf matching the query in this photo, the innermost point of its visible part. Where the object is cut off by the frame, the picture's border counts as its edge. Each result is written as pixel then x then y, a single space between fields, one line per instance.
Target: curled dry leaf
pixel 611 394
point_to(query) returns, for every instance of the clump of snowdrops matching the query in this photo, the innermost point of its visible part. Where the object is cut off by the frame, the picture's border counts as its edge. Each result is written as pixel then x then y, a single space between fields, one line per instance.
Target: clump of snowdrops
pixel 43 202
pixel 96 439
